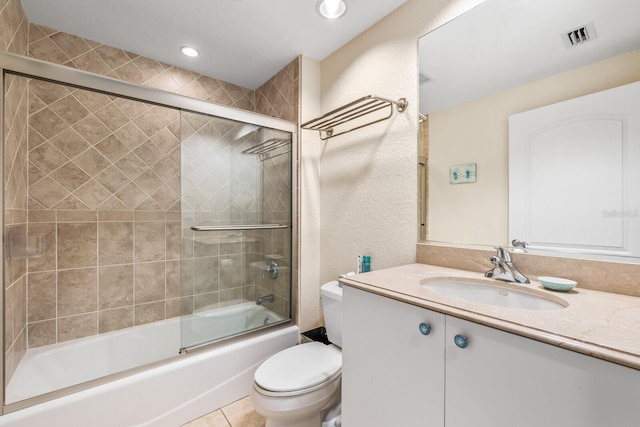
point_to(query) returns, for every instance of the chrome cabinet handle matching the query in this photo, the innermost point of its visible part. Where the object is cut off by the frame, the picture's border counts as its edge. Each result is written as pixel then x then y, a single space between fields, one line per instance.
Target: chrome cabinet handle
pixel 461 341
pixel 425 329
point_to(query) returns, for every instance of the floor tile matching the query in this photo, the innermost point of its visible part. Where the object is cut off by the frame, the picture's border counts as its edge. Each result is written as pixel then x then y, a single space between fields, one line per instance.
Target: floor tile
pixel 236 414
pixel 213 419
pixel 242 414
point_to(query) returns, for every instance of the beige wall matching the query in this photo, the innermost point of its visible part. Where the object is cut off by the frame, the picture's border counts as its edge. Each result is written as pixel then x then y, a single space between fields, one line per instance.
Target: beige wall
pixel 477 132
pixel 309 199
pixel 367 179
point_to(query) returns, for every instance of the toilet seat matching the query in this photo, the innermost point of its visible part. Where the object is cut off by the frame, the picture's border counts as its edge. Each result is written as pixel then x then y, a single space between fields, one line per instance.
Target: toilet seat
pixel 299 369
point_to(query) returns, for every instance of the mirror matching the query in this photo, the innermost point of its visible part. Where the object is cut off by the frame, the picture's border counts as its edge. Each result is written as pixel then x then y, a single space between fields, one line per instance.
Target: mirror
pixel 501 58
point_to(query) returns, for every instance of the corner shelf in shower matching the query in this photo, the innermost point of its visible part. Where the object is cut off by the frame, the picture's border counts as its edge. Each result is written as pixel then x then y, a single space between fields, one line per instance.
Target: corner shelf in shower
pixel 19 244
pixel 336 122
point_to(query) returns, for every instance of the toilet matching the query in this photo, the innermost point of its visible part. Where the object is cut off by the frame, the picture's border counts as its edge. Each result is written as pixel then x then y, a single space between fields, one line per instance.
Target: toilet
pixel 297 386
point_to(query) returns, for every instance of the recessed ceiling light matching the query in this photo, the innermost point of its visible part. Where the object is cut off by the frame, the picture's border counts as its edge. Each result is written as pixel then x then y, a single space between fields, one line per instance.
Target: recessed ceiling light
pixel 189 51
pixel 331 9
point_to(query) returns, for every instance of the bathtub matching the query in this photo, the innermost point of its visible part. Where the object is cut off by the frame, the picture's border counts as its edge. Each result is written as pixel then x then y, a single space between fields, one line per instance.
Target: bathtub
pixel 167 394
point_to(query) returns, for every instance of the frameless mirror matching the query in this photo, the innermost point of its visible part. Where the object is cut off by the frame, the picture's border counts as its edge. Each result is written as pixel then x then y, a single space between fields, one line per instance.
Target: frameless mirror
pixel 501 59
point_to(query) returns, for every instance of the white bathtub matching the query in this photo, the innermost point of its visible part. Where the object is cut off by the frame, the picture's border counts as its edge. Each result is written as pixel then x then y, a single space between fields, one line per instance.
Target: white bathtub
pixel 167 395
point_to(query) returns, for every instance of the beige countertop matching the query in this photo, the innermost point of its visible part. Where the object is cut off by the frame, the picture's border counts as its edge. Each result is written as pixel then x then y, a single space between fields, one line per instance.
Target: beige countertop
pixel 600 324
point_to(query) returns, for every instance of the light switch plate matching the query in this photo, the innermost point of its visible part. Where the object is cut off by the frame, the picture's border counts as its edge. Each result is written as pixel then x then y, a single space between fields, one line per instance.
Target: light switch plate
pixel 460 174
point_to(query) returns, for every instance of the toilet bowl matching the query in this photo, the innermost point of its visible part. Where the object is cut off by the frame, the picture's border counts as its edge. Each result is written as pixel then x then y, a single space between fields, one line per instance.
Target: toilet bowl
pixel 297 386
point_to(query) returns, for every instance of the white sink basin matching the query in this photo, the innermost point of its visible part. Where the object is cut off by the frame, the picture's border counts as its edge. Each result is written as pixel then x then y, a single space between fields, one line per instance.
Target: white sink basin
pixel 486 293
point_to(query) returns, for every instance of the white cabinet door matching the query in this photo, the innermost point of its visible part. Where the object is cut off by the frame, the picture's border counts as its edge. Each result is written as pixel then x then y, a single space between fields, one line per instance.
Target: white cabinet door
pixel 504 380
pixel 392 374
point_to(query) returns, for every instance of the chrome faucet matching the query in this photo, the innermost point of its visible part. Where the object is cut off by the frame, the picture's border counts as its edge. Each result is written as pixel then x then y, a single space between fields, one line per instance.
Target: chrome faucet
pixel 272 269
pixel 266 298
pixel 503 268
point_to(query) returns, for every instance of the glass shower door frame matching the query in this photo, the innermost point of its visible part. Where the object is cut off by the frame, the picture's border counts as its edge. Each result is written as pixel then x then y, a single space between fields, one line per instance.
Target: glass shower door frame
pixel 32 68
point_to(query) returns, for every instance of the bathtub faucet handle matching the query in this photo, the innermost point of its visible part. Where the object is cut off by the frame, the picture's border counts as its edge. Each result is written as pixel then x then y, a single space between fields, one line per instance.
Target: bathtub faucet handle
pixel 266 298
pixel 271 268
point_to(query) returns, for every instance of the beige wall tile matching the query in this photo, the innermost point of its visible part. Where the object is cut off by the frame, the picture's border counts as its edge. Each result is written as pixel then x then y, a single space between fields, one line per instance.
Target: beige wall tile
pixel 92 162
pixel 149 282
pixel 92 194
pixel 76 216
pixel 115 243
pixel 42 333
pixel 126 216
pixel 91 129
pixel 230 297
pixel 206 301
pixel 147 313
pixel 173 241
pixel 112 320
pixel 77 245
pixel 42 296
pixel 47 192
pixel 48 260
pixel 69 109
pixel 173 307
pixel 70 176
pixel 173 280
pixel 115 285
pixel 205 274
pixel 149 216
pixel 77 291
pixel 230 271
pixel 74 327
pixel 149 244
pixel 47 158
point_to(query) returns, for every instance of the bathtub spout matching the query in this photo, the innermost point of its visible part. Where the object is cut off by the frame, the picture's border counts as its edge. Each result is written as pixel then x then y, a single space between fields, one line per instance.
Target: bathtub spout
pixel 266 298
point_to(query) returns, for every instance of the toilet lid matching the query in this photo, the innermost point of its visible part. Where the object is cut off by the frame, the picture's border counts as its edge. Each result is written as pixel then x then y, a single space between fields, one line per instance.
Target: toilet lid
pixel 299 367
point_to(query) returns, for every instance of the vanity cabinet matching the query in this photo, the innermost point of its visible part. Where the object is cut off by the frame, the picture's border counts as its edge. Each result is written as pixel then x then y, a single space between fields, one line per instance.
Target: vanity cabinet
pixel 465 374
pixel 392 374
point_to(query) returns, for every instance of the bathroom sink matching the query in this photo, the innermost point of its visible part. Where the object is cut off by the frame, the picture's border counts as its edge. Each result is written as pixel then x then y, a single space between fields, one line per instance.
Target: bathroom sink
pixel 487 293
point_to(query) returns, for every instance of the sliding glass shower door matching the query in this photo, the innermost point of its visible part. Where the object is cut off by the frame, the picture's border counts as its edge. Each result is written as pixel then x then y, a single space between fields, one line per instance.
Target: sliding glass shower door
pixel 236 206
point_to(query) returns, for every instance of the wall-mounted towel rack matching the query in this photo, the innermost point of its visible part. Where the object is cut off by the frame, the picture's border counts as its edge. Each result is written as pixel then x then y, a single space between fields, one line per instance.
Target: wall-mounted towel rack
pixel 269 145
pixel 330 124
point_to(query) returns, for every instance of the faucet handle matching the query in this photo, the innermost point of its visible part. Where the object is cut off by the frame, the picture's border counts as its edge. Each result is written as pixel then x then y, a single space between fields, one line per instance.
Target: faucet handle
pixel 519 246
pixel 503 254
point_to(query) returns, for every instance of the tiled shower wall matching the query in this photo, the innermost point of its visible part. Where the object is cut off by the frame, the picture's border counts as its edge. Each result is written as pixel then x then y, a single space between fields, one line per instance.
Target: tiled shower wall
pixel 14 39
pixel 220 186
pixel 278 97
pixel 70 211
pixel 224 267
pixel 104 191
pixel 276 199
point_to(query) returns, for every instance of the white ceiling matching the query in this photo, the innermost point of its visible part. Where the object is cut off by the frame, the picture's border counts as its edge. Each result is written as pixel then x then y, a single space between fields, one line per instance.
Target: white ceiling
pixel 505 43
pixel 244 42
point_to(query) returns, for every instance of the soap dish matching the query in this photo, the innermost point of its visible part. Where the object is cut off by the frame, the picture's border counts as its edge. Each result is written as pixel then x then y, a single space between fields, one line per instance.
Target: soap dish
pixel 557 283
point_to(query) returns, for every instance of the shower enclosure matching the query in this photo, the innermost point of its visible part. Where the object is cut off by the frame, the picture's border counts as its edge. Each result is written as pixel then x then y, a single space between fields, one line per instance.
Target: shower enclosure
pixel 129 214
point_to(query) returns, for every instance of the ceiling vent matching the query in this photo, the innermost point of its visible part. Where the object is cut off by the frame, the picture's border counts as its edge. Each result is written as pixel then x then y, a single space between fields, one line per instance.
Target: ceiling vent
pixel 580 36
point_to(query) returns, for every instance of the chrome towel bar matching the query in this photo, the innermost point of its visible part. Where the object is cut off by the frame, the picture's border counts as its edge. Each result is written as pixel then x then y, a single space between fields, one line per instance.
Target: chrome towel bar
pixel 328 124
pixel 238 227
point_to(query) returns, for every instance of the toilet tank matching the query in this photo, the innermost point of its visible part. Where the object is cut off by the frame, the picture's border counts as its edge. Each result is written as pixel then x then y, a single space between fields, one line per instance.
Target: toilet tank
pixel 331 298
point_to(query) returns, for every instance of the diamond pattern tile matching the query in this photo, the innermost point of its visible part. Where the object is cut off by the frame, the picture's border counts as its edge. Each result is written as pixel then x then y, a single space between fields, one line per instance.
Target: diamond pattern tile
pixel 101 151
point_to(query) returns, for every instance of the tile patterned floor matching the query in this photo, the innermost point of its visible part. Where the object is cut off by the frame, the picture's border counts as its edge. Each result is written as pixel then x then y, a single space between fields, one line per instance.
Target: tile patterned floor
pixel 237 414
